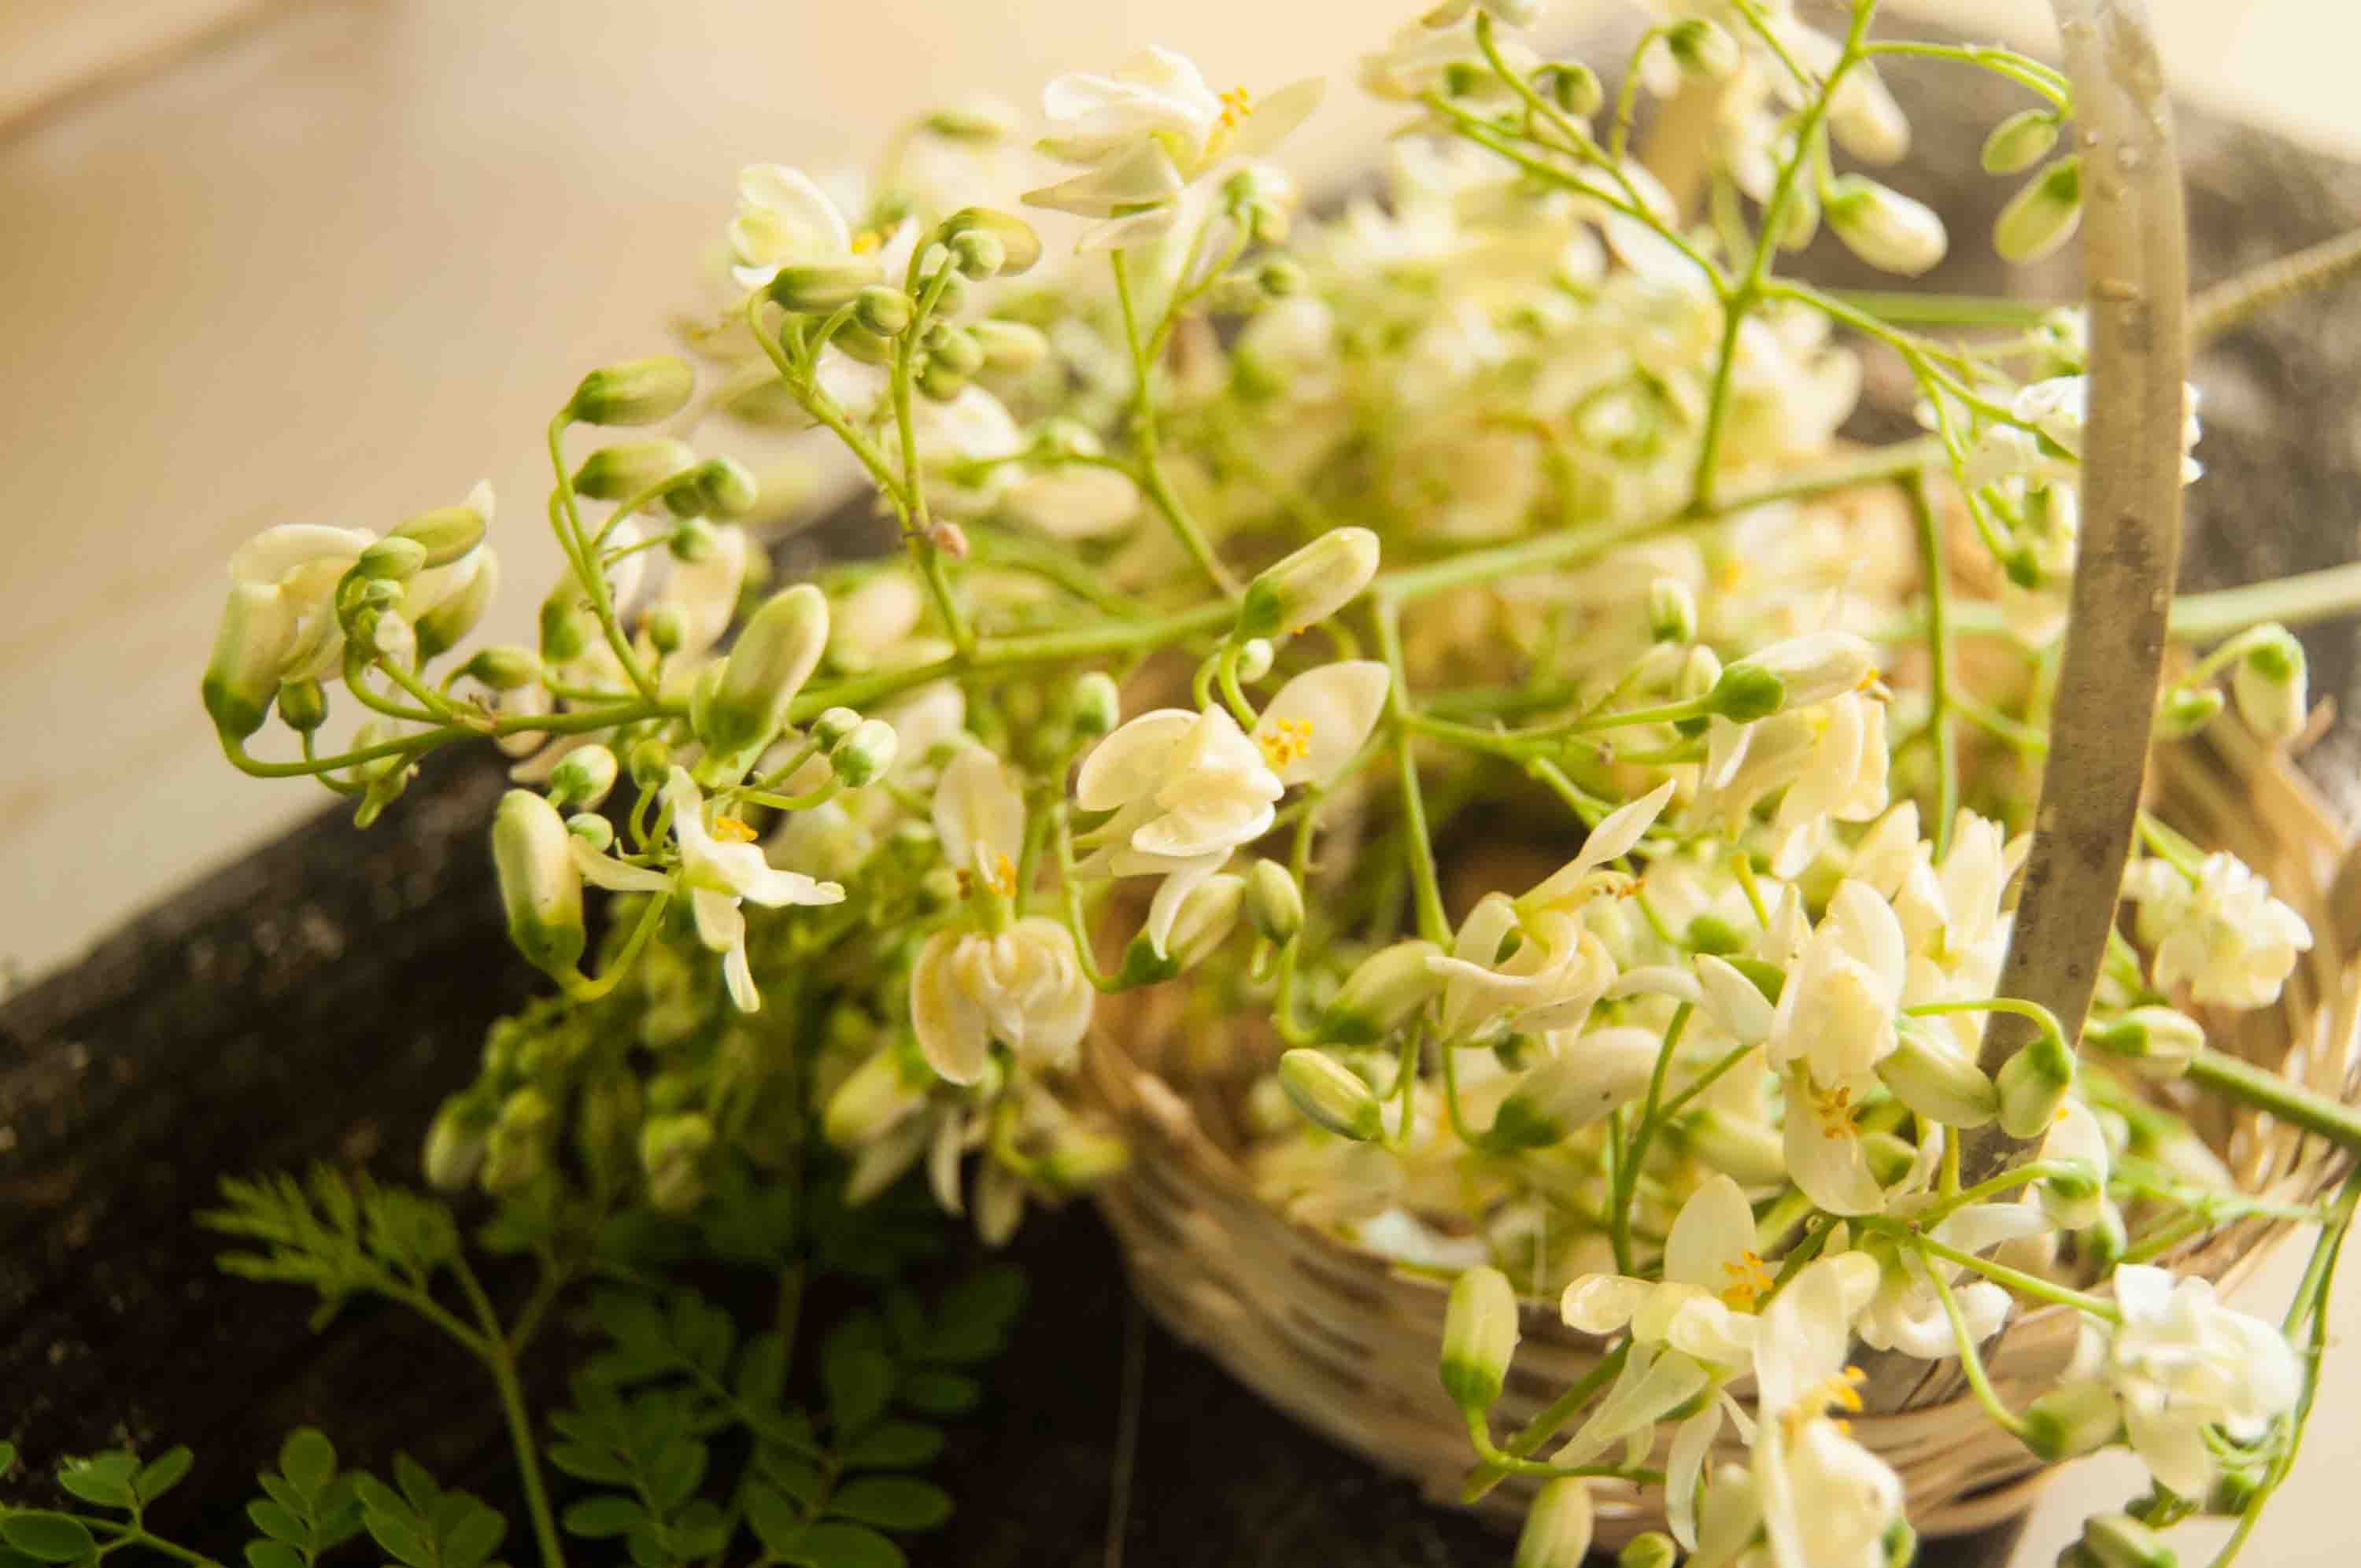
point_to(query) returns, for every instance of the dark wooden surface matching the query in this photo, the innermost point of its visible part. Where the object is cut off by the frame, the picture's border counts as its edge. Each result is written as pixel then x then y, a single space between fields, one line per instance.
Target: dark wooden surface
pixel 317 1002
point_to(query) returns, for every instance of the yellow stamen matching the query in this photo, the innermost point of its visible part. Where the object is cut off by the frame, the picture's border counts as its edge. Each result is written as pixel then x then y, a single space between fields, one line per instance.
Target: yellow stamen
pixel 1287 741
pixel 1841 1392
pixel 1235 106
pixel 866 241
pixel 730 830
pixel 1003 877
pixel 1750 1281
pixel 1834 1108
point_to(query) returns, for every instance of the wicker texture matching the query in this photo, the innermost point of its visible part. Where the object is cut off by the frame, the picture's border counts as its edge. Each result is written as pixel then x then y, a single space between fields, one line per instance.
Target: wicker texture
pixel 1346 1342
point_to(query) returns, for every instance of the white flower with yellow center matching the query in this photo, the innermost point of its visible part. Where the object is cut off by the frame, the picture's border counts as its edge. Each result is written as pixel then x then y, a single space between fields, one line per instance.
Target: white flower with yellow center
pixel 721 867
pixel 785 219
pixel 1695 1328
pixel 1023 986
pixel 1827 1501
pixel 2221 933
pixel 1834 1022
pixel 2051 450
pixel 1906 1314
pixel 1143 134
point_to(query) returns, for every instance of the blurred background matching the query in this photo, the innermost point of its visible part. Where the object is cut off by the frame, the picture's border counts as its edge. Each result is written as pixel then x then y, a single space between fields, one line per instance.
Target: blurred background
pixel 334 260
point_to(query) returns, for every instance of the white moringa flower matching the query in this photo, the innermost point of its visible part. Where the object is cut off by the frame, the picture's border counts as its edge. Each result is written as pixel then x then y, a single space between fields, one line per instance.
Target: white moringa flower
pixel 2223 936
pixel 2180 1362
pixel 1834 1022
pixel 2052 451
pixel 1144 133
pixel 1024 987
pixel 1512 13
pixel 1555 973
pixel 1885 228
pixel 1699 1326
pixel 1841 777
pixel 721 867
pixel 980 819
pixel 1905 1314
pixel 1827 1501
pixel 785 219
pixel 1422 55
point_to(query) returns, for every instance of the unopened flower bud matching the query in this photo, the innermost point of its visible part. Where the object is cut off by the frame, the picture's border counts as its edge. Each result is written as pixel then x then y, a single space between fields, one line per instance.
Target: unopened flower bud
pixel 2184 710
pixel 1801 670
pixel 1703 51
pixel 1331 1094
pixel 2042 215
pixel 1883 227
pixel 1572 86
pixel 456 1144
pixel 2033 1084
pixel 957 352
pixel 516 1147
pixel 2157 1041
pixel 393 559
pixel 816 287
pixel 1748 1151
pixel 666 626
pixel 505 667
pixel 722 487
pixel 693 540
pixel 951 539
pixel 638 391
pixel 863 757
pixel 872 1098
pixel 303 705
pixel 1274 901
pixel 1256 656
pixel 446 533
pixel 1739 996
pixel 2270 683
pixel 672 1156
pixel 833 725
pixel 541 887
pixel 1579 1086
pixel 1938 1083
pixel 1309 585
pixel 1009 345
pixel 1205 920
pixel 1672 610
pixel 651 763
pixel 2119 1540
pixel 1557 1528
pixel 883 310
pixel 633 468
pixel 1376 999
pixel 1282 278
pixel 940 382
pixel 443 627
pixel 774 656
pixel 981 121
pixel 977 253
pixel 1700 673
pixel 582 779
pixel 1020 248
pixel 242 676
pixel 1653 1549
pixel 1081 1157
pixel 1094 704
pixel 564 631
pixel 1479 1336
pixel 2020 141
pixel 592 829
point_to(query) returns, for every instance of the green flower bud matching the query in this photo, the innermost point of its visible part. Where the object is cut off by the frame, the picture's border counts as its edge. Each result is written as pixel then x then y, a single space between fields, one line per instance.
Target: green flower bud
pixel 1888 1156
pixel 818 287
pixel 977 253
pixel 607 1125
pixel 1700 673
pixel 1672 610
pixel 582 778
pixel 867 346
pixel 1479 1336
pixel 1081 1157
pixel 1282 278
pixel 666 626
pixel 774 656
pixel 505 667
pixel 442 628
pixel 2020 141
pixel 1803 671
pixel 445 533
pixel 1256 656
pixel 1901 1544
pixel 1557 1529
pixel 1747 1150
pixel 1882 226
pixel 592 829
pixel 833 725
pixel 242 676
pixel 723 488
pixel 1572 86
pixel 1380 994
pixel 692 540
pixel 516 1148
pixel 1020 248
pixel 393 559
pixel 863 757
pixel 1009 345
pixel 1801 223
pixel 1274 901
pixel 541 887
pixel 1095 705
pixel 456 1144
pixel 1938 1083
pixel 631 467
pixel 303 705
pixel 638 391
pixel 1745 691
pixel 2270 683
pixel 1575 1089
pixel 671 1155
pixel 1330 1094
pixel 1702 49
pixel 957 352
pixel 984 122
pixel 1309 585
pixel 952 298
pixel 2157 1041
pixel 874 1098
pixel 2033 1083
pixel 2043 214
pixel 1653 1549
pixel 2184 710
pixel 2119 1540
pixel 883 310
pixel 940 382
pixel 651 763
pixel 565 630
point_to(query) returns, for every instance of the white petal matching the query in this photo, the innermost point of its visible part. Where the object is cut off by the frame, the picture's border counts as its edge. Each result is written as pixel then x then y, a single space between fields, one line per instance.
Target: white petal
pixel 740 977
pixel 1602 1303
pixel 1713 1230
pixel 1611 839
pixel 275 552
pixel 1692 1441
pixel 979 814
pixel 1832 1171
pixel 1134 760
pixel 952 1034
pixel 1275 116
pixel 1165 907
pixel 1339 703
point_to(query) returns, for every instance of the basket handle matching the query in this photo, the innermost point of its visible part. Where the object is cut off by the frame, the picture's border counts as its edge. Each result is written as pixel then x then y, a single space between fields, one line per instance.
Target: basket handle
pixel 2135 265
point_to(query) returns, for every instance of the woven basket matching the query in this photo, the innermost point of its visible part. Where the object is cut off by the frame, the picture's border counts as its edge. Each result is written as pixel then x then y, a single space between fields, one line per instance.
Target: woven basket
pixel 1347 1341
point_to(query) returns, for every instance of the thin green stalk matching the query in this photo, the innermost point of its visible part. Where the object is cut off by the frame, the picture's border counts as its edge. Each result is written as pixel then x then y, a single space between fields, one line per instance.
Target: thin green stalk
pixel 1972 1361
pixel 2023 1284
pixel 1938 657
pixel 1433 923
pixel 492 1349
pixel 1627 1168
pixel 2287 1100
pixel 1546 1423
pixel 1151 473
pixel 576 542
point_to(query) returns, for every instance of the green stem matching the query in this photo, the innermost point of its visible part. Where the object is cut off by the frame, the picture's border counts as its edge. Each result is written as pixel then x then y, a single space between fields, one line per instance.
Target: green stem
pixel 2023 1284
pixel 1938 657
pixel 2050 83
pixel 492 1349
pixel 1433 923
pixel 1151 473
pixel 2288 1101
pixel 1545 1425
pixel 1972 1361
pixel 576 542
pixel 1626 1169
